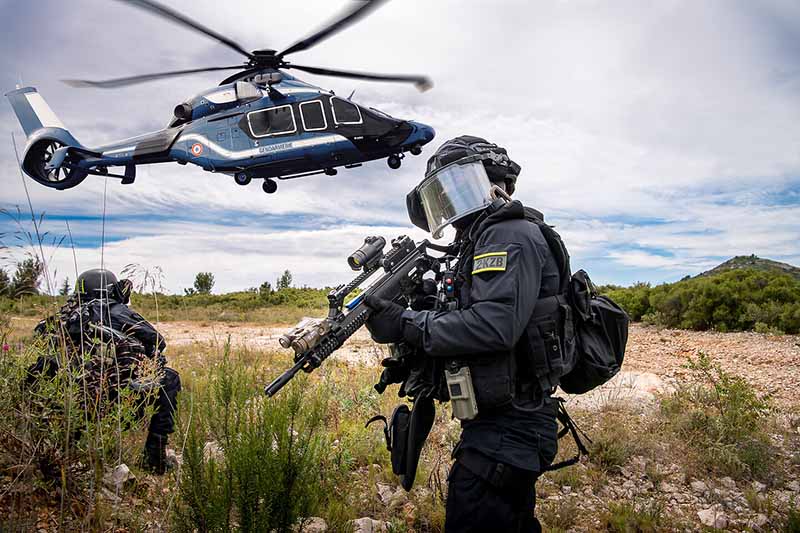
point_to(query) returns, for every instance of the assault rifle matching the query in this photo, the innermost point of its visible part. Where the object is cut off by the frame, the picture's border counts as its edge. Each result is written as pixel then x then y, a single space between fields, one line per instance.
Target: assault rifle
pixel 404 266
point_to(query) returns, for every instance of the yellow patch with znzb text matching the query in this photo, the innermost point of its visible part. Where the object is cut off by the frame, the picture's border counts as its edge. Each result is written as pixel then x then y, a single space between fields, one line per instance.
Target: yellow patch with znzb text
pixel 490 262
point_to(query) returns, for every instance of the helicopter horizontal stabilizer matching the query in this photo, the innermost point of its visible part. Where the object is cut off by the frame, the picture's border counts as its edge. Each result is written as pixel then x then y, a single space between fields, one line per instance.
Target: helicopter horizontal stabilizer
pixel 32 111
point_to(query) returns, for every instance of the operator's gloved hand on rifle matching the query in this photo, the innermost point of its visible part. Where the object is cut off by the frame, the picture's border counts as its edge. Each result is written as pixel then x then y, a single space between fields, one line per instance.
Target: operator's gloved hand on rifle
pixel 396 368
pixel 385 323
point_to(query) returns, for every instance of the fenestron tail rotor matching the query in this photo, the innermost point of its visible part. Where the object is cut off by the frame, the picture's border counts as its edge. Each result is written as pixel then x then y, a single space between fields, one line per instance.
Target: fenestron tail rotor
pixel 259 60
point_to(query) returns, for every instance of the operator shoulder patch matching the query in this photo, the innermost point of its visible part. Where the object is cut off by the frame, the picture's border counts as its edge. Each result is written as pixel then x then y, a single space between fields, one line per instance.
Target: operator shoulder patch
pixel 490 262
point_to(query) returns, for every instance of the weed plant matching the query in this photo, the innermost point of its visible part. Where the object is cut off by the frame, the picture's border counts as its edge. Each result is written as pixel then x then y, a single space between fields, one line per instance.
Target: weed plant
pixel 724 420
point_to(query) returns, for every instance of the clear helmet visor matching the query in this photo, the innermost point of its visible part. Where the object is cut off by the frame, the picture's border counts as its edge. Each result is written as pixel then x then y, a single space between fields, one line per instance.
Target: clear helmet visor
pixel 453 192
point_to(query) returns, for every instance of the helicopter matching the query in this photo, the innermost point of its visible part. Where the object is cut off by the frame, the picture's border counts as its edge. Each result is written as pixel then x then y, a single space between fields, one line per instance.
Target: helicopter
pixel 259 123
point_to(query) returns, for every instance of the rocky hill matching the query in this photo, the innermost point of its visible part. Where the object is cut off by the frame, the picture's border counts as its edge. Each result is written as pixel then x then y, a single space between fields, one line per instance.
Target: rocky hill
pixel 754 262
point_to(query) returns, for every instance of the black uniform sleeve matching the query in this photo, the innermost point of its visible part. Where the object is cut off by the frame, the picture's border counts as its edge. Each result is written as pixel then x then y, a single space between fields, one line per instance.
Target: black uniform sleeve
pixel 506 277
pixel 132 323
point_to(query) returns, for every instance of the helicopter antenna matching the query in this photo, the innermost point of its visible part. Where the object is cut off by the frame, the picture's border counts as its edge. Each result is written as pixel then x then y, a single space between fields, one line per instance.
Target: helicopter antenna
pixel 351 95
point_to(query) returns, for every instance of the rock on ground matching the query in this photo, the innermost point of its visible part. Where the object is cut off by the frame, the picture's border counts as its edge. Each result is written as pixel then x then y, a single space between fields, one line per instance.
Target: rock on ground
pixel 713 517
pixel 369 525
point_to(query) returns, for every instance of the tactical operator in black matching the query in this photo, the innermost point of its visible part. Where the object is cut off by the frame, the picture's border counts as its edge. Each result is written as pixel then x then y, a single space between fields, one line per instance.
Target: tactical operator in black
pixel 100 299
pixel 499 344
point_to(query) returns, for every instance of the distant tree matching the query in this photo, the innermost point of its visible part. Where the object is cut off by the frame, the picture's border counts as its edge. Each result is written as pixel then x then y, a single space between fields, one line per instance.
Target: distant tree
pixel 26 278
pixel 204 282
pixel 189 292
pixel 5 283
pixel 265 289
pixel 65 288
pixel 285 281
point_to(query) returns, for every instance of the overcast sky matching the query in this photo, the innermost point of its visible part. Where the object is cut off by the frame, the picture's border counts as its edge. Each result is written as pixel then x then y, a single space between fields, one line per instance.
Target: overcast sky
pixel 660 138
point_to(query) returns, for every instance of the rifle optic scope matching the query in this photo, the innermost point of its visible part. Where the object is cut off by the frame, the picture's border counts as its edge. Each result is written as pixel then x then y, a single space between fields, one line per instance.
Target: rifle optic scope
pixel 370 251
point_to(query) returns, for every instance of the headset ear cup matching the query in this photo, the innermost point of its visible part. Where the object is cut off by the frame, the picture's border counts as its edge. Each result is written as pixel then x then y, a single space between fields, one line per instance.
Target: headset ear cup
pixel 416 213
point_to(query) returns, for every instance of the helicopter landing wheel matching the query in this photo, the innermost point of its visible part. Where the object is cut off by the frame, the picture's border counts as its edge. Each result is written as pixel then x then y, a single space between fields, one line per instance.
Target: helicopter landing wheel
pixel 241 178
pixel 416 149
pixel 394 161
pixel 269 186
pixel 331 171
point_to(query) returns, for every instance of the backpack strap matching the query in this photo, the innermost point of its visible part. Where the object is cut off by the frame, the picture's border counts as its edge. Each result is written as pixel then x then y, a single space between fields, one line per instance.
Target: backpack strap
pixel 557 248
pixel 569 427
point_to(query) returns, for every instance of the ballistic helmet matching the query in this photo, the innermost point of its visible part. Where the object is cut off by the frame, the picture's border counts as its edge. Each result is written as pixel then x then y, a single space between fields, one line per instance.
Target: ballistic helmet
pixel 458 181
pixel 97 283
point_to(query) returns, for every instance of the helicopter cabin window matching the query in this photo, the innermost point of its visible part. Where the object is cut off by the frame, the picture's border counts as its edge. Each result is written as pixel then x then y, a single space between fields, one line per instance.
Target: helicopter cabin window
pixel 273 121
pixel 345 112
pixel 313 116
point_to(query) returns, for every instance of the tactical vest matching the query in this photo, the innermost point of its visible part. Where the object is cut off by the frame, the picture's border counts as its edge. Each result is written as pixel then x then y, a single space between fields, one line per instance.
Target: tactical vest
pixel 545 352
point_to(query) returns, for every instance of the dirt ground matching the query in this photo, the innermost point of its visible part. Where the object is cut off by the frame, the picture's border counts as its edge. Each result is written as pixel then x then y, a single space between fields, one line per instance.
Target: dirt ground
pixel 654 357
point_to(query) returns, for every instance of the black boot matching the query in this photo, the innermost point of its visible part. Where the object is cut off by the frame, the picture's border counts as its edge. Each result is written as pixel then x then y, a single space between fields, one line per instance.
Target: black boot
pixel 155 453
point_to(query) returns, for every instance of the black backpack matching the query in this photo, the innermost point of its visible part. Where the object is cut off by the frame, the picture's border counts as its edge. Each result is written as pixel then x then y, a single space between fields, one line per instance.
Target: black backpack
pixel 599 325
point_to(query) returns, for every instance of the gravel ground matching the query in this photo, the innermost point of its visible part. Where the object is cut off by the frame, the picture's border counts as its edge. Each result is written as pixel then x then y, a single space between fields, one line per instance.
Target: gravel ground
pixel 654 358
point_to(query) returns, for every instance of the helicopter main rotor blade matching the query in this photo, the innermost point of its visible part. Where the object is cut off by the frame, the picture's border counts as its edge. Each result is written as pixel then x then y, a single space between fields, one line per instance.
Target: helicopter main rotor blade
pixel 423 83
pixel 356 12
pixel 172 15
pixel 132 80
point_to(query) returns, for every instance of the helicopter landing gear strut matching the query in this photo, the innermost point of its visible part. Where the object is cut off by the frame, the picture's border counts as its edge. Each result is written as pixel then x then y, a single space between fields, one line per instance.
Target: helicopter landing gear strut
pixel 241 178
pixel 394 161
pixel 269 186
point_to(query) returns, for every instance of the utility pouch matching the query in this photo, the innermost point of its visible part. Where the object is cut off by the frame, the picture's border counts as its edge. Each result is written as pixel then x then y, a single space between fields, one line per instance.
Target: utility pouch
pixel 462 393
pixel 406 433
pixel 396 433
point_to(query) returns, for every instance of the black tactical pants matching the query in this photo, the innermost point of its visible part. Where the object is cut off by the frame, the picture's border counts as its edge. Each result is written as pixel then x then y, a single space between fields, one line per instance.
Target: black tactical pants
pixel 166 402
pixel 485 502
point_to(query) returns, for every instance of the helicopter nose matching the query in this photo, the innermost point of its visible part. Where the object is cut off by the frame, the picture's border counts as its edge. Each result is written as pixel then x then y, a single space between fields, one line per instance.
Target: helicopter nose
pixel 423 133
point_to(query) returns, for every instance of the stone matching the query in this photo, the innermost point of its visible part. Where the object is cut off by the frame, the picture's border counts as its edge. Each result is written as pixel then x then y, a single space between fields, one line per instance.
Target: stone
pixel 369 525
pixel 698 486
pixel 758 486
pixel 213 451
pixel 667 487
pixel 398 499
pixel 313 524
pixel 385 492
pixel 758 521
pixel 793 485
pixel 728 483
pixel 173 459
pixel 713 517
pixel 118 477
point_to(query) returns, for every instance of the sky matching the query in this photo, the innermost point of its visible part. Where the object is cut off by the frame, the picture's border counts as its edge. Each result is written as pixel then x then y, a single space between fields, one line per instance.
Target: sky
pixel 660 138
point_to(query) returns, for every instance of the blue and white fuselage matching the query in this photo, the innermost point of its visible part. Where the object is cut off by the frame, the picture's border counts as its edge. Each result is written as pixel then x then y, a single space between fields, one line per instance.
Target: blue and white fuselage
pixel 248 130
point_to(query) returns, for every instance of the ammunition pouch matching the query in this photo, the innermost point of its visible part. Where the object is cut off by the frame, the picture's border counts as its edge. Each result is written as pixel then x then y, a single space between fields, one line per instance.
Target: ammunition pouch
pixel 493 380
pixel 550 350
pixel 406 433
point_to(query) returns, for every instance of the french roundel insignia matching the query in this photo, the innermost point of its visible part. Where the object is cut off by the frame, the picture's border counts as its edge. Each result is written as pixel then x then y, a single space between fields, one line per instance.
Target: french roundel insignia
pixel 197 149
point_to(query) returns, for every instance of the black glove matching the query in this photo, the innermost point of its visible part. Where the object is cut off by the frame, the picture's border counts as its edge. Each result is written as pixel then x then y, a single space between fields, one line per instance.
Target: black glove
pixel 385 323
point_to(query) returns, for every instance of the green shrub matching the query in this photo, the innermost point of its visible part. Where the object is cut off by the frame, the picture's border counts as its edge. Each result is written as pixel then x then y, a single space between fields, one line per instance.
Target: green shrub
pixel 740 299
pixel 270 470
pixel 723 418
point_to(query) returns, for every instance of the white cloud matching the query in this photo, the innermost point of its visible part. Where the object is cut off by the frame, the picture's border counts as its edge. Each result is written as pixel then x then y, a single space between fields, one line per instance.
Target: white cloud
pixel 681 113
